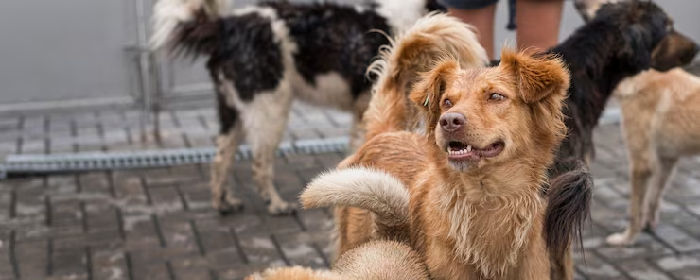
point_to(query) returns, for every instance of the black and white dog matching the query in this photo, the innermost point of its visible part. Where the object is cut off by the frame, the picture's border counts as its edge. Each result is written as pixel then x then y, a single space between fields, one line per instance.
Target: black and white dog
pixel 262 57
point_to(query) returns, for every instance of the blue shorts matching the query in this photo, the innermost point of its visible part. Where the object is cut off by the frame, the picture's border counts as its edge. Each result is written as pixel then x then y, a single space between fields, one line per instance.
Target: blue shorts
pixel 467 4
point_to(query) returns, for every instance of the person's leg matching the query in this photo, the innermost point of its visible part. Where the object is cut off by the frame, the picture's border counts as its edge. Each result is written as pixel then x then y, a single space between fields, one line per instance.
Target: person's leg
pixel 478 13
pixel 538 23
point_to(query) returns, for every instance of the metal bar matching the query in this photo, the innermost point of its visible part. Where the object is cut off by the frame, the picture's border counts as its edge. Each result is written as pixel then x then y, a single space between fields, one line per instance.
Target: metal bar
pixel 144 63
pixel 42 164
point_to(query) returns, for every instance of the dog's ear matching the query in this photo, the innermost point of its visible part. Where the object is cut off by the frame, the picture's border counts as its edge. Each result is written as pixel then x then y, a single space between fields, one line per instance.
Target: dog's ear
pixel 428 91
pixel 537 75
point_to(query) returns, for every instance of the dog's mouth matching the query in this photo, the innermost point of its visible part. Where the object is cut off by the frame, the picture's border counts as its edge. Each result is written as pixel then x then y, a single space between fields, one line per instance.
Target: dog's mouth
pixel 458 151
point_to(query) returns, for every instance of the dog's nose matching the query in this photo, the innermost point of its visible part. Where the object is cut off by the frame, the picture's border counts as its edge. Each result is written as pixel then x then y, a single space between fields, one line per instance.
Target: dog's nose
pixel 452 121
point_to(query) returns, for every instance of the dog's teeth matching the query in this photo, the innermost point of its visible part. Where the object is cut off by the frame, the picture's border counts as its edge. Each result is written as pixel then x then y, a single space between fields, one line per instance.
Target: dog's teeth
pixel 469 148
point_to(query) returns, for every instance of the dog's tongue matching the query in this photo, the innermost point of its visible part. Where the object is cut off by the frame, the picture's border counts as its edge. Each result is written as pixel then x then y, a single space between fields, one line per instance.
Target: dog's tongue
pixel 491 151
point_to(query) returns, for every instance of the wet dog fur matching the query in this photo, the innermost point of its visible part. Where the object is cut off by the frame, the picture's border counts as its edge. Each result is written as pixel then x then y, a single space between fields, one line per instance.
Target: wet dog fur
pixel 414 52
pixel 375 260
pixel 453 202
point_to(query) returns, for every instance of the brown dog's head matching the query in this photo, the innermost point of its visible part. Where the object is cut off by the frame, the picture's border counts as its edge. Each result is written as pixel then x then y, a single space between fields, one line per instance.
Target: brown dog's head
pixel 675 50
pixel 490 115
pixel 649 38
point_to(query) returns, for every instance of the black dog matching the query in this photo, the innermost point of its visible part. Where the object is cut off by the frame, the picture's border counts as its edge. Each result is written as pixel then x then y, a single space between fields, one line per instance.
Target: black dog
pixel 622 40
pixel 262 57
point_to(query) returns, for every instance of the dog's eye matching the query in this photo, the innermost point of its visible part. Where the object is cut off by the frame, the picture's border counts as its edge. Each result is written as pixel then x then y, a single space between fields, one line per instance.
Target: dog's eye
pixel 447 104
pixel 496 97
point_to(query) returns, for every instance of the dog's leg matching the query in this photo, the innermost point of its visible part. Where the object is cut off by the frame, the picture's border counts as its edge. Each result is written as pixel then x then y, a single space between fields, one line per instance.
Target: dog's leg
pixel 264 133
pixel 641 172
pixel 659 182
pixel 223 199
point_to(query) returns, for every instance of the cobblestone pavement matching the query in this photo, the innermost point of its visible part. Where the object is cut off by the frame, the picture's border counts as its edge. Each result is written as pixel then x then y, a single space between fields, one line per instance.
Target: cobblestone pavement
pixel 158 224
pixel 91 131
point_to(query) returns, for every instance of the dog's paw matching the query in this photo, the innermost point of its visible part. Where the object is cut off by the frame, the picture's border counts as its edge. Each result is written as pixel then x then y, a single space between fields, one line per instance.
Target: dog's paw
pixel 282 208
pixel 229 205
pixel 619 239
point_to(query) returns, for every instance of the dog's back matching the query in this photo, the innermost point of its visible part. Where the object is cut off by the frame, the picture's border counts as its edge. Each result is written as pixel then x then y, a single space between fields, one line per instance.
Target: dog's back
pixel 661 112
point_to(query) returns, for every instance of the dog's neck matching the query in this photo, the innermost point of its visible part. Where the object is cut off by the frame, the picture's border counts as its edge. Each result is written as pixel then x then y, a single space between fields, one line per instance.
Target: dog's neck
pixel 595 72
pixel 595 69
pixel 491 213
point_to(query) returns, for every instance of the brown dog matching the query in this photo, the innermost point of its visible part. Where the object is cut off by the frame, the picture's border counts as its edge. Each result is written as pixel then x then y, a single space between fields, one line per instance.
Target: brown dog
pixel 432 37
pixel 471 186
pixel 660 113
pixel 376 260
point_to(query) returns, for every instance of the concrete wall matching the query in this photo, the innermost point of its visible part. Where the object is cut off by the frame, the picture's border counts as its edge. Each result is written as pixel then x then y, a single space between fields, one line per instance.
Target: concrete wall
pixel 74 49
pixel 61 49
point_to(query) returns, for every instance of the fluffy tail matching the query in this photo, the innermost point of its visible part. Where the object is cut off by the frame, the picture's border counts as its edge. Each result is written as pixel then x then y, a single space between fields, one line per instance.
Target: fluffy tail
pixel 364 188
pixel 569 195
pixel 433 37
pixel 190 26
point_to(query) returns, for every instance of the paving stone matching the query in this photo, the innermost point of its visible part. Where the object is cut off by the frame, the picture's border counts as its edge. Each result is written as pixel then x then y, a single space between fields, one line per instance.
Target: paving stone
pixel 333 132
pixel 677 239
pixel 192 273
pixel 158 271
pixel 241 271
pixel 303 248
pixel 645 246
pixel 681 267
pixel 261 249
pixel 32 258
pixel 597 268
pixel 69 261
pixel 310 133
pixel 158 223
pixel 642 270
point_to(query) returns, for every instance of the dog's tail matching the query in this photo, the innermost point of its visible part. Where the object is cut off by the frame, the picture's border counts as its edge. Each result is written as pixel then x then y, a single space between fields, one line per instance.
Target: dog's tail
pixel 569 195
pixel 190 26
pixel 433 37
pixel 360 187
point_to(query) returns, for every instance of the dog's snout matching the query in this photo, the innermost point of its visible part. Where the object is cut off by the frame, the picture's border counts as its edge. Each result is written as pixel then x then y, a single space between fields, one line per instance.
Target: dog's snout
pixel 452 121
